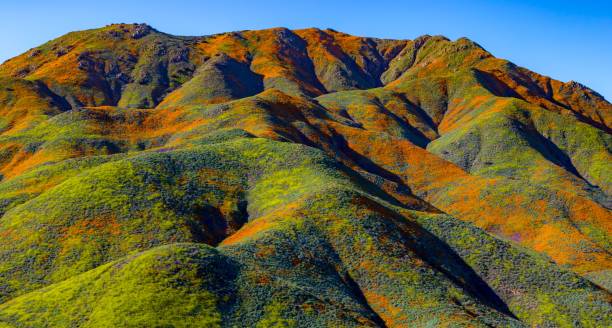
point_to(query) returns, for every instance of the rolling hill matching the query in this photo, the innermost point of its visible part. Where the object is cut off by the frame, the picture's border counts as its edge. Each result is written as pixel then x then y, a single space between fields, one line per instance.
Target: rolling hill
pixel 308 178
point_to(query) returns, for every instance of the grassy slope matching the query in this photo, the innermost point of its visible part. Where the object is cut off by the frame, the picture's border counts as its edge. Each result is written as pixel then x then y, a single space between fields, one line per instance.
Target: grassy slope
pixel 551 199
pixel 309 232
pixel 95 184
pixel 178 285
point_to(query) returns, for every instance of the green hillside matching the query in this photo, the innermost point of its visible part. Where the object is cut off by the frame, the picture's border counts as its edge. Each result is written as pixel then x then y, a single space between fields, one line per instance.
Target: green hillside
pixel 304 178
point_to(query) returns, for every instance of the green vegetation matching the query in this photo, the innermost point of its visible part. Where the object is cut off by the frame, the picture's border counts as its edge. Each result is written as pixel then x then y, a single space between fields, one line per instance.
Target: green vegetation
pixel 178 285
pixel 303 178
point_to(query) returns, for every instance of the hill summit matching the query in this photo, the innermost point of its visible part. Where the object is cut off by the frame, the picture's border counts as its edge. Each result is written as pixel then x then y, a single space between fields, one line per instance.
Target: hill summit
pixel 308 178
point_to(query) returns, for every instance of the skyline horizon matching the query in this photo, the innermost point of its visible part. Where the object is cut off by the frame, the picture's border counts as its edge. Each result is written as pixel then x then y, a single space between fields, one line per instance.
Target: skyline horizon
pixel 562 40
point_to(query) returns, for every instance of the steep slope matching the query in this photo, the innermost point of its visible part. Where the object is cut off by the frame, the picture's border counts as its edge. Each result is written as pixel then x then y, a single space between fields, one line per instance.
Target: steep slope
pixel 298 178
pixel 130 65
pixel 372 258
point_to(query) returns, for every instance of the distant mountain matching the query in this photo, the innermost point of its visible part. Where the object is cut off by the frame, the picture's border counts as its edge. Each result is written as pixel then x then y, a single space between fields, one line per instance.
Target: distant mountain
pixel 308 178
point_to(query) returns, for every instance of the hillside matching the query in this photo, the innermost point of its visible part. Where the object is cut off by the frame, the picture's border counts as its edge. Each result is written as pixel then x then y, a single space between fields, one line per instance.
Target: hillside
pixel 308 178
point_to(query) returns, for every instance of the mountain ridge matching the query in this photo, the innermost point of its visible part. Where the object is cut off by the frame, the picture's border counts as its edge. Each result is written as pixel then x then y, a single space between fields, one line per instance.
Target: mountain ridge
pixel 379 182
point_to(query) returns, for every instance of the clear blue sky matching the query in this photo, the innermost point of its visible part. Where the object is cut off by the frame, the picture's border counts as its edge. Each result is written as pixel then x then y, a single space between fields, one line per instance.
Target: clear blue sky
pixel 567 40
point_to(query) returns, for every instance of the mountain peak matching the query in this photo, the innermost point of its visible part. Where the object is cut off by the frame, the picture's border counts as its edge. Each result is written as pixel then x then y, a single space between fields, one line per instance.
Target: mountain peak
pixel 135 30
pixel 301 178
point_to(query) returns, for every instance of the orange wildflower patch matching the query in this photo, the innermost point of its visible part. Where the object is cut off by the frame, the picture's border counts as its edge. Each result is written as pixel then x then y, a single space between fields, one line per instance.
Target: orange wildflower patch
pixel 83 229
pixel 391 314
pixel 95 226
pixel 247 231
pixel 226 43
pixel 24 161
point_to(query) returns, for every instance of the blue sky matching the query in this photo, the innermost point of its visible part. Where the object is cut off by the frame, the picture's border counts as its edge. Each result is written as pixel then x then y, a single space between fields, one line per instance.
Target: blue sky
pixel 567 40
